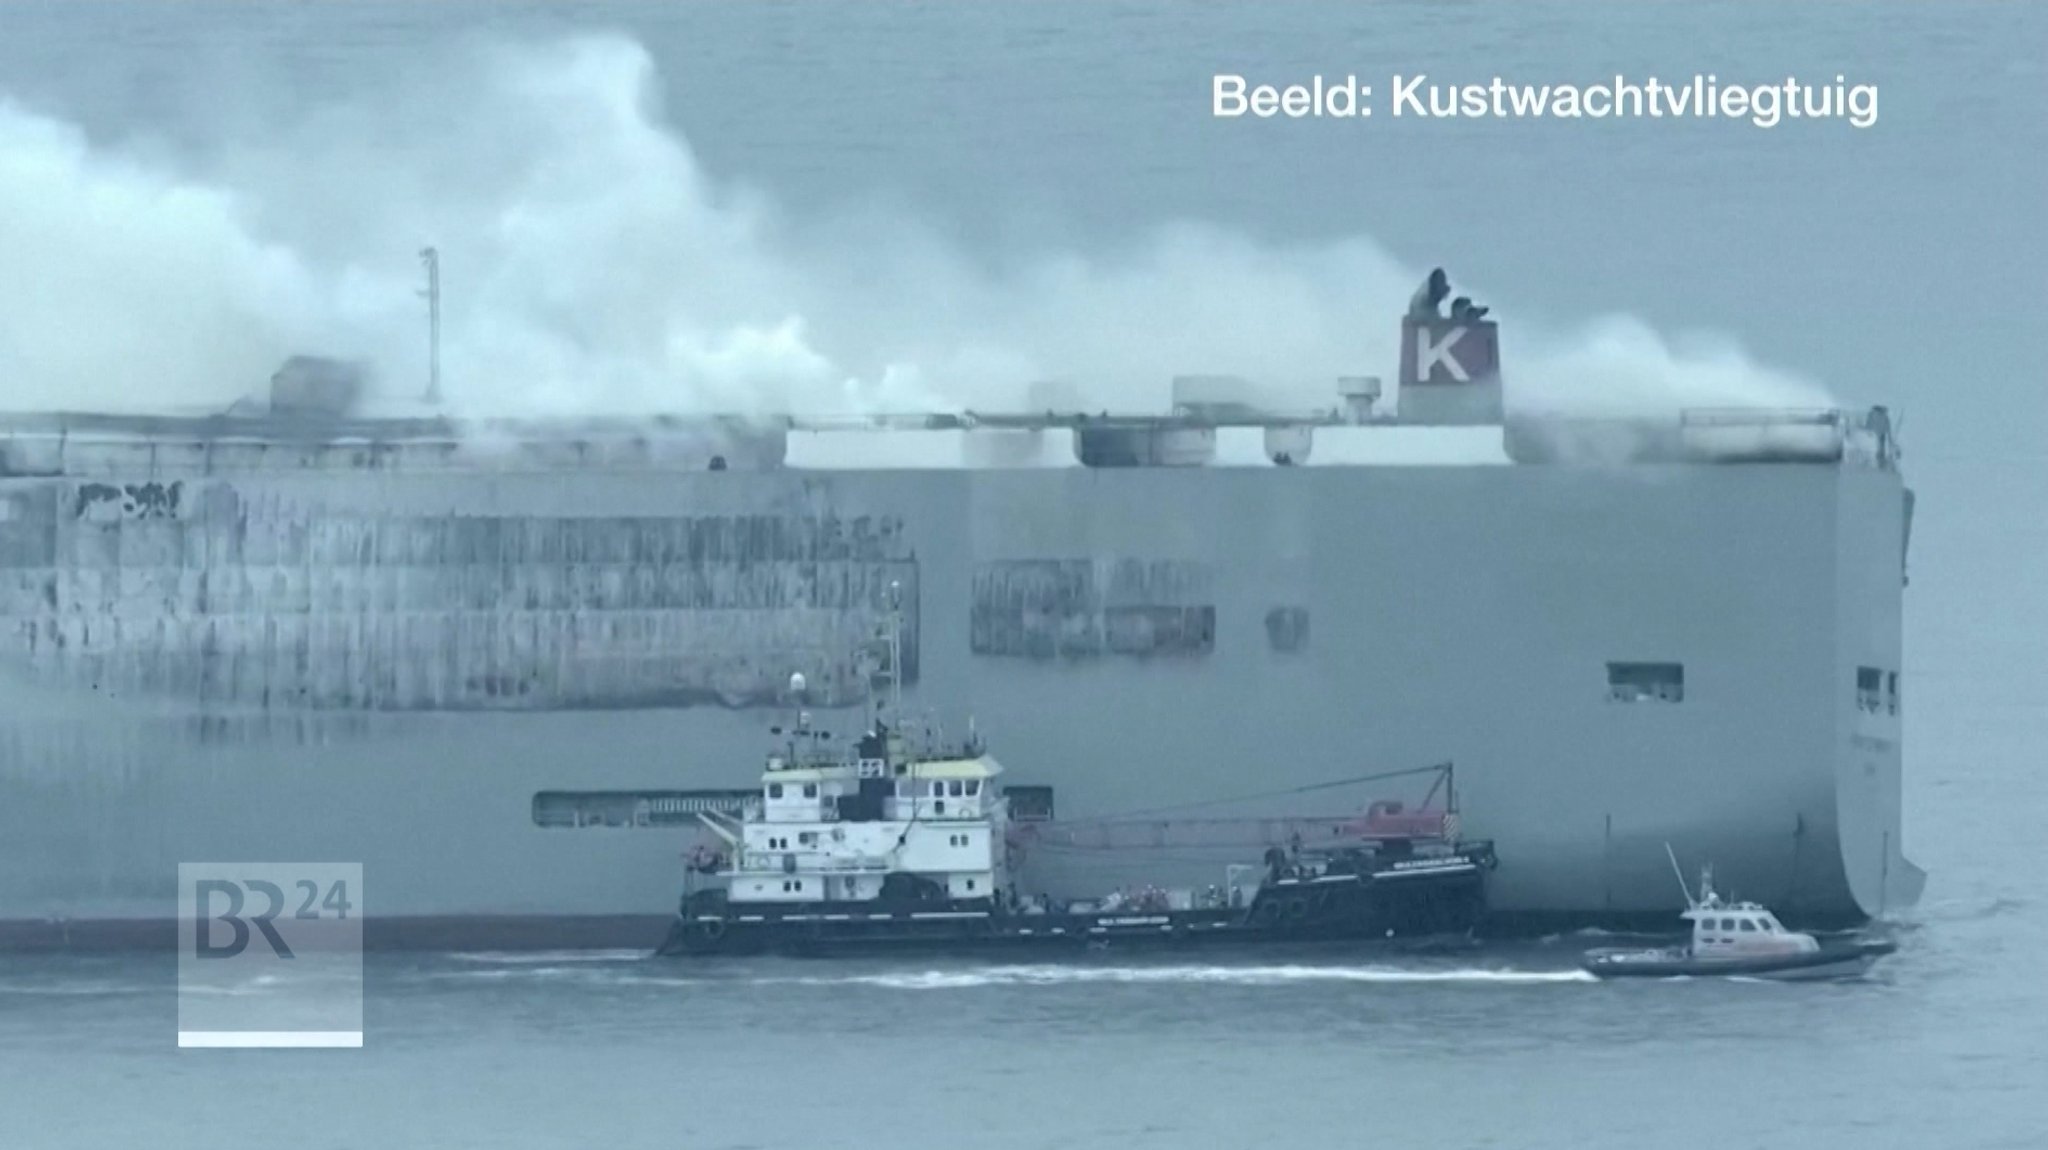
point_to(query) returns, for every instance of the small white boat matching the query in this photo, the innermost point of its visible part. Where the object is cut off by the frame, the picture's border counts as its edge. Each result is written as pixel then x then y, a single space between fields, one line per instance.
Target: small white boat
pixel 1739 938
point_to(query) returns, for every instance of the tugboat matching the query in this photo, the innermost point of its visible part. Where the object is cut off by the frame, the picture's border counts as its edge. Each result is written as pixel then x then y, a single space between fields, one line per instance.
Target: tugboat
pixel 901 846
pixel 1739 938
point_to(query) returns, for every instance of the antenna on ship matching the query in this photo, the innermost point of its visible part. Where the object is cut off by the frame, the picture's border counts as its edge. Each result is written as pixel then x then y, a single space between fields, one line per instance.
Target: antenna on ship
pixel 1675 869
pixel 895 647
pixel 432 261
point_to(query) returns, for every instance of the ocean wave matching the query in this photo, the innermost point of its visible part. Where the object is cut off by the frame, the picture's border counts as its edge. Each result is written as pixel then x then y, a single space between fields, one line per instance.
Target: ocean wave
pixel 1048 974
pixel 1592 932
pixel 544 957
pixel 522 970
pixel 70 989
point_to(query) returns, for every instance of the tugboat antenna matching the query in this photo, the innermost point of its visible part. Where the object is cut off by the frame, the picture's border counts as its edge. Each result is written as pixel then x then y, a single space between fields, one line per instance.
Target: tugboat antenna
pixel 895 647
pixel 1675 869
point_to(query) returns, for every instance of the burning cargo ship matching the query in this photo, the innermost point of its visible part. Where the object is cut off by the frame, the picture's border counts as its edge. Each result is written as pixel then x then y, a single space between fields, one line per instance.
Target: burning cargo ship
pixel 505 667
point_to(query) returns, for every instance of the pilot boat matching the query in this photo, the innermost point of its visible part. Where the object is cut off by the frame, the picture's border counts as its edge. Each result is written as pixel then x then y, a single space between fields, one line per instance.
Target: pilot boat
pixel 1739 939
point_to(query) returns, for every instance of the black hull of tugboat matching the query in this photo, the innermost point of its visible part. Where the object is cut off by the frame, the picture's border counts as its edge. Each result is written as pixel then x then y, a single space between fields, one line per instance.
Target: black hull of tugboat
pixel 1447 898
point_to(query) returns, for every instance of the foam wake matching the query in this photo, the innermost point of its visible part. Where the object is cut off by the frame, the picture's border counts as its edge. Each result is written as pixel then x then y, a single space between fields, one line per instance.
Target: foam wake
pixel 1056 975
pixel 546 957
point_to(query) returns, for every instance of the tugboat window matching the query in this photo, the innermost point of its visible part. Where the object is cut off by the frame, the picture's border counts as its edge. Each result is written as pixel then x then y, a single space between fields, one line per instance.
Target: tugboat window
pixel 810 790
pixel 974 786
pixel 774 790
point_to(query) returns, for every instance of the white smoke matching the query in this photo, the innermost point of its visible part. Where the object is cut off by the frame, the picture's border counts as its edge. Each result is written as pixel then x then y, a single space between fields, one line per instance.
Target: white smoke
pixel 591 265
pixel 1619 366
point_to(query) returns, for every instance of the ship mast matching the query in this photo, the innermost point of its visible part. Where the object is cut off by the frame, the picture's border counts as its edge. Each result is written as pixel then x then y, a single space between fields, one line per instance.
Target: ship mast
pixel 895 648
pixel 432 261
pixel 1690 902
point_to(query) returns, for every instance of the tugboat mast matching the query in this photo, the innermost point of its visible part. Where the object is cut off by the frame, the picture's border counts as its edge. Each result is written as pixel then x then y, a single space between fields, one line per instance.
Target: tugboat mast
pixel 896 648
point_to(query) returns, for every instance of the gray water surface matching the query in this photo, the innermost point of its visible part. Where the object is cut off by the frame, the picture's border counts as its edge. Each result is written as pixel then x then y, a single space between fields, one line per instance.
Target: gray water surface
pixel 1504 1049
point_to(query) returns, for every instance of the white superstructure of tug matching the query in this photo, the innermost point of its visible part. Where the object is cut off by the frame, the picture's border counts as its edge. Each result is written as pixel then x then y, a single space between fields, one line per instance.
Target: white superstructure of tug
pixel 887 819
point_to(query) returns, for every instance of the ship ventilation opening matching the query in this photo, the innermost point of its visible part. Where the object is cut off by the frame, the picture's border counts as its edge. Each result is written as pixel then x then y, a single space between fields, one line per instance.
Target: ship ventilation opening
pixel 1646 682
pixel 1029 803
pixel 1145 446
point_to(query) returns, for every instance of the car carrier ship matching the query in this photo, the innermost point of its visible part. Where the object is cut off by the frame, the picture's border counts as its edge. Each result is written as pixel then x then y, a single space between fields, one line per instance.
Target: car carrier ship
pixel 506 666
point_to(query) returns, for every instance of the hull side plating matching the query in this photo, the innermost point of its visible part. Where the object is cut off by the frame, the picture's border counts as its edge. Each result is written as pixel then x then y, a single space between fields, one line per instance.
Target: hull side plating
pixel 391 668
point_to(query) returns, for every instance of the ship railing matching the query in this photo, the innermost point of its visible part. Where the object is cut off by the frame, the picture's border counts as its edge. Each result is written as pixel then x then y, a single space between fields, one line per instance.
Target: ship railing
pixel 1191 417
pixel 806 760
pixel 1760 416
pixel 808 862
pixel 1792 432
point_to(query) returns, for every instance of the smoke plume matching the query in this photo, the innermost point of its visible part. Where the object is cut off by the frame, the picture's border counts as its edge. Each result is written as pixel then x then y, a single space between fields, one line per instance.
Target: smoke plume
pixel 591 265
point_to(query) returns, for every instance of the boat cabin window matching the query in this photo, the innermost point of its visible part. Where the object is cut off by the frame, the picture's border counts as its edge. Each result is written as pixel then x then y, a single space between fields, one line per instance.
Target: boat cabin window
pixel 938 790
pixel 774 790
pixel 1748 926
pixel 954 789
pixel 974 786
pixel 810 790
pixel 1728 925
